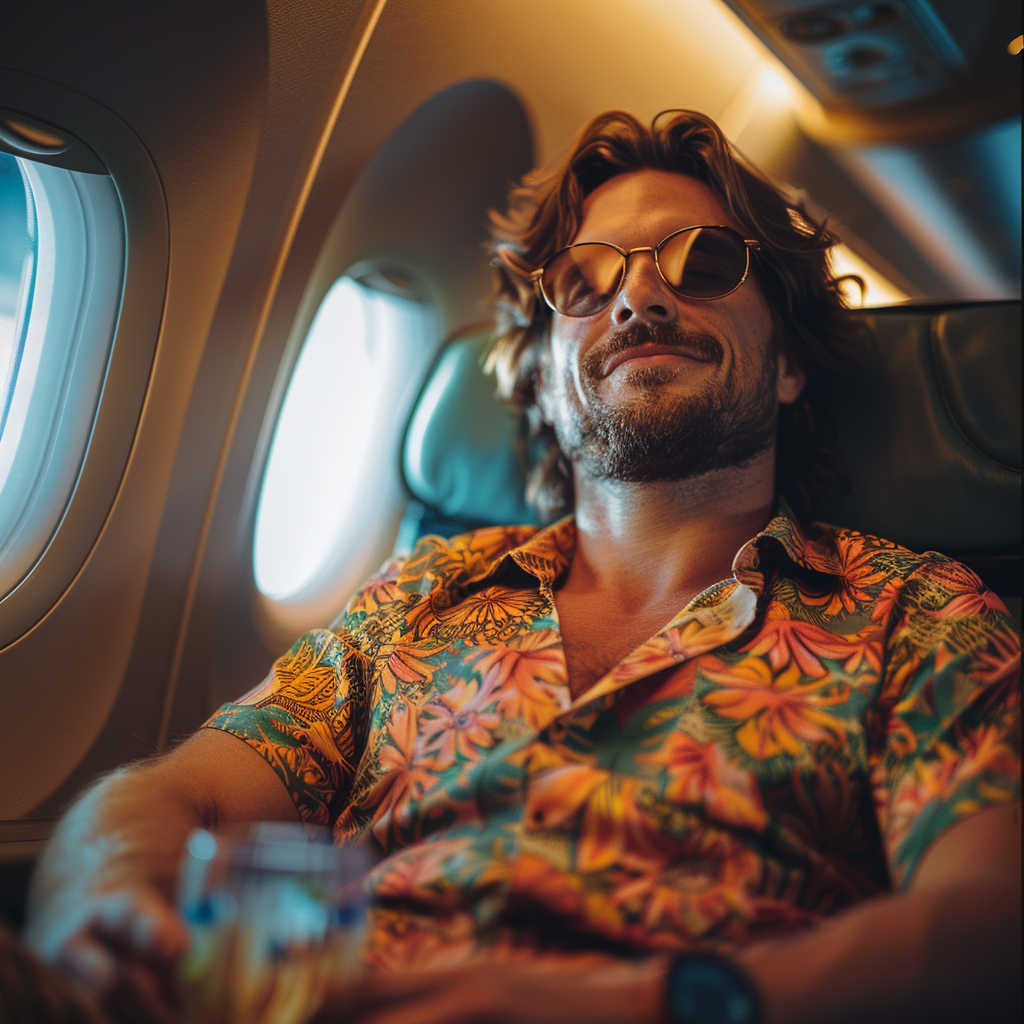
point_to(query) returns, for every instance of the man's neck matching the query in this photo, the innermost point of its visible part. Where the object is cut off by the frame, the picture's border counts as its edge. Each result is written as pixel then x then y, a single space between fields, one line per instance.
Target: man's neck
pixel 650 545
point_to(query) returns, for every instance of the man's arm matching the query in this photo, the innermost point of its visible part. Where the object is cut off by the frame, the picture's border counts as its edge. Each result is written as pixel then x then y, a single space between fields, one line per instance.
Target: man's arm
pixel 948 949
pixel 102 899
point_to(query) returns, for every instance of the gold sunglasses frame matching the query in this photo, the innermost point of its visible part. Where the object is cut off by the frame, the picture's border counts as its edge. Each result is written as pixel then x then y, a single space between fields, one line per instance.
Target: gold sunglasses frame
pixel 536 276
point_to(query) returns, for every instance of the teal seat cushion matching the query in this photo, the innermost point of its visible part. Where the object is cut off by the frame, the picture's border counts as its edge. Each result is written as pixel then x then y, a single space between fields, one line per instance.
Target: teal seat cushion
pixel 464 452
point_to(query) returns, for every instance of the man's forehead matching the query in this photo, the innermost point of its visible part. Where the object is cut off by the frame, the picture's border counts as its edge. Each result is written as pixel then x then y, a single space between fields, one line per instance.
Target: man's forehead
pixel 638 202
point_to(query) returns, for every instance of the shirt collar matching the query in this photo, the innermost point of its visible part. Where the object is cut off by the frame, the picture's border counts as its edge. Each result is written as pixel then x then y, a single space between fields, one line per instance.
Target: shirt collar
pixel 814 550
pixel 783 531
pixel 547 553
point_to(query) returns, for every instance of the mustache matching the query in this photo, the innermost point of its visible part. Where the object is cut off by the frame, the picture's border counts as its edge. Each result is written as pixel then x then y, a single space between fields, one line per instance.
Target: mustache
pixel 695 342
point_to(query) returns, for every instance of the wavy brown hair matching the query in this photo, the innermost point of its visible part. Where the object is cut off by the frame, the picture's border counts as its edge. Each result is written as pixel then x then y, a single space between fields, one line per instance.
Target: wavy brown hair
pixel 812 324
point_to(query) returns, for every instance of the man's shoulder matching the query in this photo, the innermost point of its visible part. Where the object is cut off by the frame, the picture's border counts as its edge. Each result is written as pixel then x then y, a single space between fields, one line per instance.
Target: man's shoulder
pixel 832 547
pixel 434 564
pixel 838 550
pixel 456 560
pixel 927 579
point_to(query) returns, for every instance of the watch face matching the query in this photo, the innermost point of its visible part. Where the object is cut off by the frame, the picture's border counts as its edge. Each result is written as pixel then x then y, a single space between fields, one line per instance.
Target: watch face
pixel 704 989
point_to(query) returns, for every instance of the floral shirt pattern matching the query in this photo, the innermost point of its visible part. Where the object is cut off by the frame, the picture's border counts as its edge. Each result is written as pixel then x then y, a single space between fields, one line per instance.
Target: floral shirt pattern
pixel 788 745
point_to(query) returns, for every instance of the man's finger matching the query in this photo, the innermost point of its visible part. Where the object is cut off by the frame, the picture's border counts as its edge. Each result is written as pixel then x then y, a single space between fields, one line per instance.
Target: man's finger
pixel 140 997
pixel 144 925
pixel 88 964
pixel 129 991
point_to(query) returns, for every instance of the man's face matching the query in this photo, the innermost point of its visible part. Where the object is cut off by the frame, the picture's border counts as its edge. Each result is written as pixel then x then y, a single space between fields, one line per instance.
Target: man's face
pixel 657 386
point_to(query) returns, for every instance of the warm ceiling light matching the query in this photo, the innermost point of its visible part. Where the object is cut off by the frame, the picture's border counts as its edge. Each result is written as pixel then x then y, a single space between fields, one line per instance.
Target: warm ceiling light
pixel 1016 46
pixel 878 290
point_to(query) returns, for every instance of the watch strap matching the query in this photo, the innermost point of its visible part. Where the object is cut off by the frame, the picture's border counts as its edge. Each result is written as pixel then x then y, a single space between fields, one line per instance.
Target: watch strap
pixel 703 988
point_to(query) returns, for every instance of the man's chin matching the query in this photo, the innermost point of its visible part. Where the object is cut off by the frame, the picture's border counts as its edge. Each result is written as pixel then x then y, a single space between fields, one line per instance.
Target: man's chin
pixel 682 374
pixel 665 439
pixel 668 468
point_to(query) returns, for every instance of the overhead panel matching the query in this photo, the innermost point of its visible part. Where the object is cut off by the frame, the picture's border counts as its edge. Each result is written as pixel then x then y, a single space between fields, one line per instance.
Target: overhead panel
pixel 887 69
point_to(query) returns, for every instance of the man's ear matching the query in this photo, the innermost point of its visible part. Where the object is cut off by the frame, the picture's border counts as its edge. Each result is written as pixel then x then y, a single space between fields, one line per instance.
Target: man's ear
pixel 789 381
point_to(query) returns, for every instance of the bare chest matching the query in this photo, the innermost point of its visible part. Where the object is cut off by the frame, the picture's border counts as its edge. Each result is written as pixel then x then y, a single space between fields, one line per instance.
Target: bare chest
pixel 596 636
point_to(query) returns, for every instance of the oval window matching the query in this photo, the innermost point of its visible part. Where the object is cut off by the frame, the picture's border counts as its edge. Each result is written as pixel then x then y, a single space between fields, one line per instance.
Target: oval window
pixel 333 459
pixel 62 266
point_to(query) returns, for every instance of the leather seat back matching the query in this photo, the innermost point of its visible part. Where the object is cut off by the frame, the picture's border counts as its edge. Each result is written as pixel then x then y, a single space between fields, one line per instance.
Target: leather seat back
pixel 930 427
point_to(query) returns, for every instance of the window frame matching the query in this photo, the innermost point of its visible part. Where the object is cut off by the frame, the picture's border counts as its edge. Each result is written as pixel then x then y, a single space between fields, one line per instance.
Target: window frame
pixel 133 348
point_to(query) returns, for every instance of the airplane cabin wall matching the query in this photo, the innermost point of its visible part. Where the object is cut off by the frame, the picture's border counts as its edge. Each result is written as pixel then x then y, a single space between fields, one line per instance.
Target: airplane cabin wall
pixel 202 88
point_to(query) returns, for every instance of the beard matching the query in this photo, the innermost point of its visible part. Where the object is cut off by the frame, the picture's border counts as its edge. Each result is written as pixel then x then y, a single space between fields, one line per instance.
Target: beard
pixel 660 436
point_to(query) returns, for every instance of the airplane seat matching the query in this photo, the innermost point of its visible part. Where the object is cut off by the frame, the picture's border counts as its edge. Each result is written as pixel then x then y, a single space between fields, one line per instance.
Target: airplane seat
pixel 929 424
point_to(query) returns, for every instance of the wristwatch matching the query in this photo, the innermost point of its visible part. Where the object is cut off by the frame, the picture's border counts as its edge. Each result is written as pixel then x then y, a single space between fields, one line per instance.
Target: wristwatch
pixel 701 988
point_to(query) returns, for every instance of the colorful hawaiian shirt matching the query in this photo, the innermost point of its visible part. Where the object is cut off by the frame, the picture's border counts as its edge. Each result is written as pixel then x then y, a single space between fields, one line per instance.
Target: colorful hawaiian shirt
pixel 788 745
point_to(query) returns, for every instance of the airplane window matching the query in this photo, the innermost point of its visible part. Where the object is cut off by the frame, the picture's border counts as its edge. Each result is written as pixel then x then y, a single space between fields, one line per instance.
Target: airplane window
pixel 17 252
pixel 333 444
pixel 62 246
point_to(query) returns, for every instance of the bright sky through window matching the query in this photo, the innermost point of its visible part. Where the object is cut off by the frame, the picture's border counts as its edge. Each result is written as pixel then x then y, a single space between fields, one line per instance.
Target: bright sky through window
pixel 14 246
pixel 62 250
pixel 323 450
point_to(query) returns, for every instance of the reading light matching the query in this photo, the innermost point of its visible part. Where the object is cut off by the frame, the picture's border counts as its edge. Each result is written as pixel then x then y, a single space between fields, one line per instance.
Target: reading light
pixel 30 137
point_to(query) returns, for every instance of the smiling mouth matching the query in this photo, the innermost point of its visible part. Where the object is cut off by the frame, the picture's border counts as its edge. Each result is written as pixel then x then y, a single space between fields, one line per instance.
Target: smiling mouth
pixel 657 354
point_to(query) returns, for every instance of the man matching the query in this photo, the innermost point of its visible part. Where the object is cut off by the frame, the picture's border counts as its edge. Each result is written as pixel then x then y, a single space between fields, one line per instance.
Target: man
pixel 678 723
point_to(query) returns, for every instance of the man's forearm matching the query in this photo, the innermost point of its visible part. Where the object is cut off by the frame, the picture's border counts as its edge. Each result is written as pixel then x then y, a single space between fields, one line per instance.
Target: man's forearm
pixel 941 954
pixel 102 900
pixel 127 834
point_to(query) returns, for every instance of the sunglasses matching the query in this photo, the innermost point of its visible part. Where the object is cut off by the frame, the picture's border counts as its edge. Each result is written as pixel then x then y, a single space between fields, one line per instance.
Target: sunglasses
pixel 704 261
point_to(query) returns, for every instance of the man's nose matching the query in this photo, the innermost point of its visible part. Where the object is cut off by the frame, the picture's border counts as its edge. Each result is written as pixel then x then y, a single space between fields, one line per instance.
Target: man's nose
pixel 644 294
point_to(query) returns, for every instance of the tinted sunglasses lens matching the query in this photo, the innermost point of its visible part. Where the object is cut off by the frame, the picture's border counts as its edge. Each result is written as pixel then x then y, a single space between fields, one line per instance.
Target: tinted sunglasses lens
pixel 703 263
pixel 582 280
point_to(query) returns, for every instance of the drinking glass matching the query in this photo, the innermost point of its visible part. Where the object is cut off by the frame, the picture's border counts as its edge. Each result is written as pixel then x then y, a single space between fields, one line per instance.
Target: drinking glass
pixel 276 913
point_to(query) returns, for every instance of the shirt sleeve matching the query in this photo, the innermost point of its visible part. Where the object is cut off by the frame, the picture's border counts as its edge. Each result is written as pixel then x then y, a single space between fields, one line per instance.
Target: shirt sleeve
pixel 307 720
pixel 949 709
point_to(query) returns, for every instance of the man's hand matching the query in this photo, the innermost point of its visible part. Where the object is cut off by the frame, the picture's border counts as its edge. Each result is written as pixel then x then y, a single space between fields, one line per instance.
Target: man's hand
pixel 120 947
pixel 549 990
pixel 101 909
pixel 101 906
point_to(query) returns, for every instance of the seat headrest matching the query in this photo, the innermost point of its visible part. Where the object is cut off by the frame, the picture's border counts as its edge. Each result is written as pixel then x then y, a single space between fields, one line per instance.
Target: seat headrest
pixel 929 424
pixel 464 455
